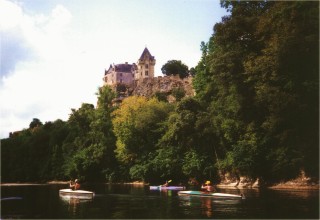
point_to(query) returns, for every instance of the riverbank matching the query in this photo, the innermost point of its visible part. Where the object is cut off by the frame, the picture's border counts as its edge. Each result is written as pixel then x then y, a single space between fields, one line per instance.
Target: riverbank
pixel 295 185
pixel 298 184
pixel 57 182
pixel 292 184
pixel 285 185
pixel 22 184
pixel 34 183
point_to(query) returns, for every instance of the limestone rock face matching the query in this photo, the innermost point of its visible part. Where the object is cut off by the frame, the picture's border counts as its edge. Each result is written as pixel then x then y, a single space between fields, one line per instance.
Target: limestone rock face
pixel 149 86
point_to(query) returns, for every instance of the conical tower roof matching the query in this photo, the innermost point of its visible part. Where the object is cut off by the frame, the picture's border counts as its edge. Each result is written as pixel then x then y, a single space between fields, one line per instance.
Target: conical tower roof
pixel 146 54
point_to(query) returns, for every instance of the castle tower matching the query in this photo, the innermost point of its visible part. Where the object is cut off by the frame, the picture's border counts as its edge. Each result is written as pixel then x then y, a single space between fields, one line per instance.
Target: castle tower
pixel 145 65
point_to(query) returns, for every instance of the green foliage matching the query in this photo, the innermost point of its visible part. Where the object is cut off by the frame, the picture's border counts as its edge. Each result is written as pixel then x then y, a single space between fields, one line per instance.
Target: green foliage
pixel 161 96
pixel 35 123
pixel 258 63
pixel 202 77
pixel 192 163
pixel 167 164
pixel 137 126
pixel 175 67
pixel 178 93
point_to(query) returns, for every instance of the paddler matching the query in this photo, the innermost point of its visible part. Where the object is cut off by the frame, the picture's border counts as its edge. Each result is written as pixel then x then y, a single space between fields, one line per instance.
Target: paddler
pixel 167 183
pixel 207 186
pixel 74 185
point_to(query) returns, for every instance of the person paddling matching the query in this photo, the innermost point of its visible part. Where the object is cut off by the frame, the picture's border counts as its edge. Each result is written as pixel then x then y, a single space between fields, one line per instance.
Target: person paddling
pixel 167 183
pixel 75 185
pixel 208 187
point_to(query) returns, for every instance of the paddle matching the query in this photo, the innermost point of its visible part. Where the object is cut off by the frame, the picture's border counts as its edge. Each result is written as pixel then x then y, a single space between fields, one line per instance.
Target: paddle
pixel 169 181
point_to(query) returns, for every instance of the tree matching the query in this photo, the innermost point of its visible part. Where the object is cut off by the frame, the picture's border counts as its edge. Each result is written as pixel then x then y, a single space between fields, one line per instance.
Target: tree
pixel 178 93
pixel 259 80
pixel 192 71
pixel 137 125
pixel 35 123
pixel 175 67
pixel 201 75
pixel 103 128
pixel 286 77
pixel 185 143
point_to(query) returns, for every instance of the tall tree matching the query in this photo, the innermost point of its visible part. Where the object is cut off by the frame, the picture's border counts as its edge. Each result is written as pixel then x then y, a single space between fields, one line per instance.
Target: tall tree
pixel 91 150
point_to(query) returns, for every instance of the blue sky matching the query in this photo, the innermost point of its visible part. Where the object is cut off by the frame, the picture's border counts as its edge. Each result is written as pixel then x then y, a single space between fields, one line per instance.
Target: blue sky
pixel 54 52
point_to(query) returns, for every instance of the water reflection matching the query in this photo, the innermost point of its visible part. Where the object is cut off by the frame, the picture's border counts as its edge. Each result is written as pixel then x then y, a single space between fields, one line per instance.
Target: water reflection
pixel 193 205
pixel 302 194
pixel 138 202
pixel 206 207
pixel 163 193
pixel 73 204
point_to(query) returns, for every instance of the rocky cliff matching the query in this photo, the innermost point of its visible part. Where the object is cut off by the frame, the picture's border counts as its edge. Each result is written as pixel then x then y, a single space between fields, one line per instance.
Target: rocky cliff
pixel 166 86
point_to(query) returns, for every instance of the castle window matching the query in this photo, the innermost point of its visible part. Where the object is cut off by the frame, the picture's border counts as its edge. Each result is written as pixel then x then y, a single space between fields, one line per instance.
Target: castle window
pixel 146 73
pixel 147 66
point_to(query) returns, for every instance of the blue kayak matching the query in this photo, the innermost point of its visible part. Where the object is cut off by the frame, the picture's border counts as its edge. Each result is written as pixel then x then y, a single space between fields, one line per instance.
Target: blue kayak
pixel 208 194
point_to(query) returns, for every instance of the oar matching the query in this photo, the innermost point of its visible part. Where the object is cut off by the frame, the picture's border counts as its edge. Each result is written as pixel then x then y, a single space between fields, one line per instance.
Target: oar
pixel 169 181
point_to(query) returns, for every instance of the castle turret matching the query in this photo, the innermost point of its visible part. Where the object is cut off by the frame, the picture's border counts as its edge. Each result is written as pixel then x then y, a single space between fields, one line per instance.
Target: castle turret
pixel 145 65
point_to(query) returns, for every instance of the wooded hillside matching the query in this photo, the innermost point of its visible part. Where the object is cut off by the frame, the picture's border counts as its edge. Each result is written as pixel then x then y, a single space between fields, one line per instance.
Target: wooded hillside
pixel 255 113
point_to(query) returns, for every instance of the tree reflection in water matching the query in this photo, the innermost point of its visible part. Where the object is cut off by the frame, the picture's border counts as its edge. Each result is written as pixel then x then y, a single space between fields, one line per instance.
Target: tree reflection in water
pixel 74 204
pixel 206 206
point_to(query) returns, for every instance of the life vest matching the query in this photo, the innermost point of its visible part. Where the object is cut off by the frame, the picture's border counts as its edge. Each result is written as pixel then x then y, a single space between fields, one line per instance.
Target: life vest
pixel 77 186
pixel 210 188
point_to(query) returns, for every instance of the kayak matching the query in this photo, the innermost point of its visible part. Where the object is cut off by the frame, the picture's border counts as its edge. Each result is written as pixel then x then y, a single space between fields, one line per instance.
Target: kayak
pixel 167 187
pixel 213 195
pixel 80 194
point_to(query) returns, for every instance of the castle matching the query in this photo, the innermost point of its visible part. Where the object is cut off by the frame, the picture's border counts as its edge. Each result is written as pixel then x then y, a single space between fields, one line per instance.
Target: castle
pixel 127 73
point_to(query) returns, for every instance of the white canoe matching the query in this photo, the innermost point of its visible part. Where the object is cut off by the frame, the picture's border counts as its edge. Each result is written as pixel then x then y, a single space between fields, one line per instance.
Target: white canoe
pixel 213 195
pixel 167 187
pixel 81 194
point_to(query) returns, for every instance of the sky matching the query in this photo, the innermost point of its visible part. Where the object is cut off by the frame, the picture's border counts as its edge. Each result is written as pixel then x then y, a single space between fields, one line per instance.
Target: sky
pixel 53 53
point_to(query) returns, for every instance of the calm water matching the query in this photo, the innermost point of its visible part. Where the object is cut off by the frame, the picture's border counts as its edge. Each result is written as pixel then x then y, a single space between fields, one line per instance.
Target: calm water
pixel 127 201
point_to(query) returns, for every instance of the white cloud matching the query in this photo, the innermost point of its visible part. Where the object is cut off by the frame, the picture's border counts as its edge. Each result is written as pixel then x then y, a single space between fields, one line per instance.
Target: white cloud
pixel 10 15
pixel 46 87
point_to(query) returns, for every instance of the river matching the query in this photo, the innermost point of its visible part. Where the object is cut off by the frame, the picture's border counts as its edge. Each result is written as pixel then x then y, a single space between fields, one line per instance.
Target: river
pixel 138 202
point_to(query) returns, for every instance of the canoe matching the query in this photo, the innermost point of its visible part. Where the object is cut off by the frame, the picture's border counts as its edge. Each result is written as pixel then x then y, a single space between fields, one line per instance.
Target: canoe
pixel 213 195
pixel 167 187
pixel 80 194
